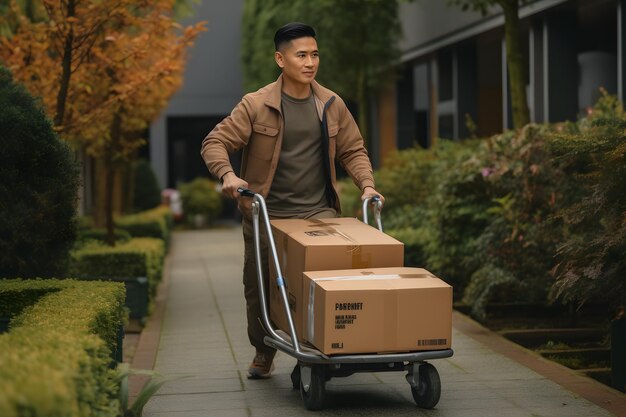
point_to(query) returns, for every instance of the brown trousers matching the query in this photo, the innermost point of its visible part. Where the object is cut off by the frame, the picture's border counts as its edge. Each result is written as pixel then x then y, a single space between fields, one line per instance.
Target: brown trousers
pixel 256 331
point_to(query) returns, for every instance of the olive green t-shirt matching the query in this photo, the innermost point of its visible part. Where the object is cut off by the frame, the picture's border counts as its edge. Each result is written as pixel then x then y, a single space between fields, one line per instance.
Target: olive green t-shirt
pixel 299 185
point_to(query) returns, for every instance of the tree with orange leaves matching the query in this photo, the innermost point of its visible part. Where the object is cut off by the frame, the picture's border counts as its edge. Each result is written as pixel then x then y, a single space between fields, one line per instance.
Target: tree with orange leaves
pixel 48 54
pixel 103 69
pixel 142 70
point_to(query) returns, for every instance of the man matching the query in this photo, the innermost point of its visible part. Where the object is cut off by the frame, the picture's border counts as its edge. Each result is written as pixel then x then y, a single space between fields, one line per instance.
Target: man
pixel 291 132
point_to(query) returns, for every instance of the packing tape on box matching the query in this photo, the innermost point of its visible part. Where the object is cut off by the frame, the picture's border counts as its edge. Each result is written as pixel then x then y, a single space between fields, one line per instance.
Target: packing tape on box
pixel 319 222
pixel 330 230
pixel 360 259
pixel 311 306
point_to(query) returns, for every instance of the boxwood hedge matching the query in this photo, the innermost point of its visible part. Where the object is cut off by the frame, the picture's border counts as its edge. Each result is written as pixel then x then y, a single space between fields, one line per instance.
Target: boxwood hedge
pixel 139 257
pixel 56 356
pixel 156 223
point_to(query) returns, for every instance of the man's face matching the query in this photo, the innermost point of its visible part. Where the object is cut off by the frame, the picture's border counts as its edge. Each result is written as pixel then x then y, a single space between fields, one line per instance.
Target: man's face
pixel 299 60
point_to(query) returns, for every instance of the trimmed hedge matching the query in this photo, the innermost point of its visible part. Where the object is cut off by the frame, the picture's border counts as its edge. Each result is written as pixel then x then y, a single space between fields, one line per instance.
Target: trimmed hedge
pixel 156 223
pixel 101 235
pixel 55 358
pixel 14 298
pixel 139 257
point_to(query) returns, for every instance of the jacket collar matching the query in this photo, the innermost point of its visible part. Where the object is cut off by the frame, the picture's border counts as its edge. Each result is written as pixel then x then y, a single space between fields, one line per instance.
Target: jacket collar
pixel 274 97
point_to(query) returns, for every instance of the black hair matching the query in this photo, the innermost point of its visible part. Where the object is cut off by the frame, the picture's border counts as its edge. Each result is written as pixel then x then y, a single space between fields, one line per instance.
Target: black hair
pixel 291 31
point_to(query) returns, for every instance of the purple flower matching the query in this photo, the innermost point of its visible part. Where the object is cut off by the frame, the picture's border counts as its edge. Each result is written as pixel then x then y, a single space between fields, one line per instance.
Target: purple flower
pixel 485 172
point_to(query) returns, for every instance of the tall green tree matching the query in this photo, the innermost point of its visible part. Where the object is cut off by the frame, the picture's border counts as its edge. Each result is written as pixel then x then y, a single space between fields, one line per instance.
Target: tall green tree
pixel 357 40
pixel 514 57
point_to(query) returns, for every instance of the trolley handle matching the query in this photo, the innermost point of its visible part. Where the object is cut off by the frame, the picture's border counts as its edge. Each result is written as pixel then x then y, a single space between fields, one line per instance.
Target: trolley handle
pixel 245 192
pixel 378 206
pixel 259 210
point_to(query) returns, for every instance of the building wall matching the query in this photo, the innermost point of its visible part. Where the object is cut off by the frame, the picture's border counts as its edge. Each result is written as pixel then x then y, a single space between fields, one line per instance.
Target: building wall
pixel 425 22
pixel 212 87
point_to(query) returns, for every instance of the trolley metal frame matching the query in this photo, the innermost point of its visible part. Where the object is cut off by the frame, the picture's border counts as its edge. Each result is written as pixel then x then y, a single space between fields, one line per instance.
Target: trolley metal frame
pixel 315 368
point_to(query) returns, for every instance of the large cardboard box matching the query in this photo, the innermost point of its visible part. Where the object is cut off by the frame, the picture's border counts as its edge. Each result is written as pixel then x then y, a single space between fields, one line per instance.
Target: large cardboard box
pixel 323 244
pixel 377 310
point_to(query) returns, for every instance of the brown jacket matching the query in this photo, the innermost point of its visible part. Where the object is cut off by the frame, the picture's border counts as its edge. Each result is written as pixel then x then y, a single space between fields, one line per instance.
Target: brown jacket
pixel 256 125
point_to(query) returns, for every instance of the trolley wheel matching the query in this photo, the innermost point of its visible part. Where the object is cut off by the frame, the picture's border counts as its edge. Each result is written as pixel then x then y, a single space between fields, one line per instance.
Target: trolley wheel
pixel 295 377
pixel 428 390
pixel 312 386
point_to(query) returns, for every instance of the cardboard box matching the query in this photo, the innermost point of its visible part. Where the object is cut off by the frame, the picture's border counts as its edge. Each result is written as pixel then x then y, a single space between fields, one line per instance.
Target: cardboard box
pixel 377 310
pixel 324 244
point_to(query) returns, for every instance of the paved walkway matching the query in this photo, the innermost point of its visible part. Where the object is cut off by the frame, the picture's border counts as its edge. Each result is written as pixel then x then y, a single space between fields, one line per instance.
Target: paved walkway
pixel 203 337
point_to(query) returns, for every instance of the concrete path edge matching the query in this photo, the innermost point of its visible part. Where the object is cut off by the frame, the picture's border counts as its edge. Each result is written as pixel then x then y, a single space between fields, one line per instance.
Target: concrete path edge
pixel 148 344
pixel 586 387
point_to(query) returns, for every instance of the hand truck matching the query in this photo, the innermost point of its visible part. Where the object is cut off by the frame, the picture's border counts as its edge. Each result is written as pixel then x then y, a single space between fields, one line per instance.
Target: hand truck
pixel 314 368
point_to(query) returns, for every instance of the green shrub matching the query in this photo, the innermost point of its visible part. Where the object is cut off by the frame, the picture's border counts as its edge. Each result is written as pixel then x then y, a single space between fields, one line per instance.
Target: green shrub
pixel 478 204
pixel 406 180
pixel 484 285
pixel 55 358
pixel 457 214
pixel 85 222
pixel 410 182
pixel 591 262
pixel 155 223
pixel 101 235
pixel 415 240
pixel 38 223
pixel 350 199
pixel 201 199
pixel 529 185
pixel 147 193
pixel 436 204
pixel 139 257
pixel 499 218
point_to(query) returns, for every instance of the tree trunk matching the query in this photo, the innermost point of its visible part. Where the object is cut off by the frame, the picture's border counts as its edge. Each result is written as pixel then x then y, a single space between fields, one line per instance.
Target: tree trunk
pixel 109 169
pixel 109 174
pixel 126 185
pixel 29 10
pixel 515 63
pixel 97 208
pixel 67 68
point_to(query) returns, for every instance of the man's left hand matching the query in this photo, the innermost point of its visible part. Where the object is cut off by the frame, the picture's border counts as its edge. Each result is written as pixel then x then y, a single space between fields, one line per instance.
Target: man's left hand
pixel 369 192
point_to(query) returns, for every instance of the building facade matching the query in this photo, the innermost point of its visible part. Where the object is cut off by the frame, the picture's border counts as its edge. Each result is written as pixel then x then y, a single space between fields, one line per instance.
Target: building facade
pixel 212 87
pixel 453 68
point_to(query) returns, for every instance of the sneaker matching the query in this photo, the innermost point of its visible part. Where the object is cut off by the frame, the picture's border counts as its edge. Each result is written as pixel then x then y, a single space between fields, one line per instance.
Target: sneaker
pixel 262 365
